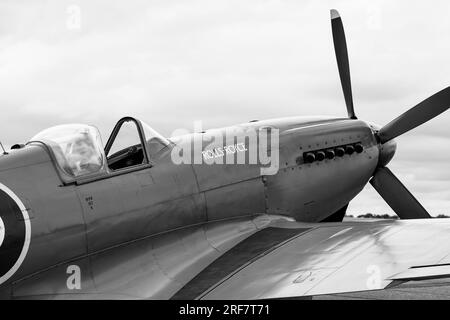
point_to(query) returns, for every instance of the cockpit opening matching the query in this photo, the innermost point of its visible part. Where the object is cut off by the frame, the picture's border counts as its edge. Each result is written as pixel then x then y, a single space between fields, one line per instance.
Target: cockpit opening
pixel 132 143
pixel 125 148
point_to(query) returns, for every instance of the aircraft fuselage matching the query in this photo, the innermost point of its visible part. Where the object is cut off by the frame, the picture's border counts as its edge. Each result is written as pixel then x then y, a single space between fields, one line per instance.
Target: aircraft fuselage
pixel 71 221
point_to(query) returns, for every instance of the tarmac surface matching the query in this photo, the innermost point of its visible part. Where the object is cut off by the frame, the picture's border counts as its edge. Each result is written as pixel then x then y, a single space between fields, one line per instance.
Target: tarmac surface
pixel 436 289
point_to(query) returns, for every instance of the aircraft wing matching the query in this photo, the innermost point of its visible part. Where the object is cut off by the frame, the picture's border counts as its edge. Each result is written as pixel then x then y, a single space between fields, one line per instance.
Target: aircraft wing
pixel 260 257
pixel 290 259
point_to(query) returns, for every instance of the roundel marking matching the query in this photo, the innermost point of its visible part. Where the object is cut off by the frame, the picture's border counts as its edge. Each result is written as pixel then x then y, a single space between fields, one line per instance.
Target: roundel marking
pixel 15 233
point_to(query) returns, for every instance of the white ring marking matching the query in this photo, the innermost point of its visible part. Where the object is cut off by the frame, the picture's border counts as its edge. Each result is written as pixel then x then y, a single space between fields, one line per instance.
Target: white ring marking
pixel 26 245
pixel 2 231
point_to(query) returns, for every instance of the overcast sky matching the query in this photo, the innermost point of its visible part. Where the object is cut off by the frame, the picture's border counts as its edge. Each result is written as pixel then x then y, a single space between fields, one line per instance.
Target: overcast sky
pixel 224 62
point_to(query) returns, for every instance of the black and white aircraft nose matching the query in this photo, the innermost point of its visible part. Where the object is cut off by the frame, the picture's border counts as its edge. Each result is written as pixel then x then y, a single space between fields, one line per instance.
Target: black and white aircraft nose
pixel 387 152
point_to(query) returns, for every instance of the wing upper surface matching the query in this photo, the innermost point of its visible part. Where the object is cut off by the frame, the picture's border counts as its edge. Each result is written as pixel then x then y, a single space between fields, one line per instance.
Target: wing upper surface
pixel 342 257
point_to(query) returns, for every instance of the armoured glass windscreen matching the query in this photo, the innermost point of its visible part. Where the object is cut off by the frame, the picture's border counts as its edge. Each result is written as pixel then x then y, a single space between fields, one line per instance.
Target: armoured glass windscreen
pixel 77 148
pixel 155 141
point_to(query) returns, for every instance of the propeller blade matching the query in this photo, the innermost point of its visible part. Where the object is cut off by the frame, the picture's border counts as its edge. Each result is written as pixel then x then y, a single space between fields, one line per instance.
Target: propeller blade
pixel 340 48
pixel 414 117
pixel 397 196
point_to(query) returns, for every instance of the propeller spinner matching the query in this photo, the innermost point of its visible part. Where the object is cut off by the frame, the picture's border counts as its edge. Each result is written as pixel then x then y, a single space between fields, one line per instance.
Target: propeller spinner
pixel 397 196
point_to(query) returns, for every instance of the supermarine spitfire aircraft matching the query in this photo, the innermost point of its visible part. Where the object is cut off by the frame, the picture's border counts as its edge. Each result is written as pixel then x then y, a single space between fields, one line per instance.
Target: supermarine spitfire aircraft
pixel 124 221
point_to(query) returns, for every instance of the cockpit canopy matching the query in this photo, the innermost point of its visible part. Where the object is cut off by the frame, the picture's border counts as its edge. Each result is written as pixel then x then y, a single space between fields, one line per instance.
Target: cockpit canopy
pixel 78 150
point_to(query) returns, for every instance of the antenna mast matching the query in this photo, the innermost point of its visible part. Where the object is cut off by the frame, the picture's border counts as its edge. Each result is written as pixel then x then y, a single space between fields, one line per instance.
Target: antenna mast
pixel 4 151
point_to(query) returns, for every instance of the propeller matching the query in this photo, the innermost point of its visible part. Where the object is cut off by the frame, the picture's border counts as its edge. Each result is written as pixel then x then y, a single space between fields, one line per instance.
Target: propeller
pixel 340 49
pixel 397 196
pixel 414 117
